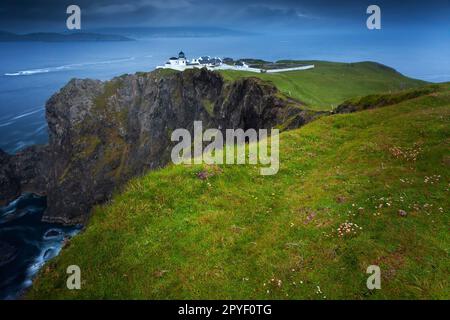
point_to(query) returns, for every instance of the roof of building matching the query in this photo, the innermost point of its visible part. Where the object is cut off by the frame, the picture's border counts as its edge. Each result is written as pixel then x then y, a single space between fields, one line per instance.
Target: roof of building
pixel 209 60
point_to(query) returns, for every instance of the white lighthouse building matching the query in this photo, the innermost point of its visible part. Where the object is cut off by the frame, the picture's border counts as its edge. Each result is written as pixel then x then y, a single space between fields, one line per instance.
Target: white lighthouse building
pixel 177 63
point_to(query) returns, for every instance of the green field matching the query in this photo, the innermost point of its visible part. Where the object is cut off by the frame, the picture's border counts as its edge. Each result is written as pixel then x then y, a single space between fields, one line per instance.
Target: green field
pixel 330 83
pixel 240 235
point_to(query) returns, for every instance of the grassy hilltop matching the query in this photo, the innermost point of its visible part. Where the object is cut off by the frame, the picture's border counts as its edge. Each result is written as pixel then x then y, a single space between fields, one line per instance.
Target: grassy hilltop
pixel 330 83
pixel 308 232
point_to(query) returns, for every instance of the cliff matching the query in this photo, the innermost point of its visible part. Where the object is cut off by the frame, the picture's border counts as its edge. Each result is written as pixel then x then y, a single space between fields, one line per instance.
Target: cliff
pixel 101 134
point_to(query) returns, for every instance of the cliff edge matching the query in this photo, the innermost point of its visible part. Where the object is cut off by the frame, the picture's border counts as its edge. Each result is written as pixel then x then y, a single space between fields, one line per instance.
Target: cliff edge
pixel 101 134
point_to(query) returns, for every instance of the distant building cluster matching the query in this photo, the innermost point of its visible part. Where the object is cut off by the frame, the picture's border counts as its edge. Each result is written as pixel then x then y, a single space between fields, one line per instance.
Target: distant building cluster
pixel 182 63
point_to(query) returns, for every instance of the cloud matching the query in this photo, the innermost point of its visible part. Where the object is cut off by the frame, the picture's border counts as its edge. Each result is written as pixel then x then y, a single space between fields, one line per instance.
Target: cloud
pixel 254 14
pixel 136 6
pixel 106 12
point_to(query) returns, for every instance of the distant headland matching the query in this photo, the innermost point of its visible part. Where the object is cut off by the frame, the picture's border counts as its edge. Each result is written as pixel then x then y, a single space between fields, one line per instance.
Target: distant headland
pixel 60 37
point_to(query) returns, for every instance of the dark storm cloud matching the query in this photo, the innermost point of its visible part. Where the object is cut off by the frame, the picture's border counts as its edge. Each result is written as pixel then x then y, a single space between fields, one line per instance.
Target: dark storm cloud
pixel 28 15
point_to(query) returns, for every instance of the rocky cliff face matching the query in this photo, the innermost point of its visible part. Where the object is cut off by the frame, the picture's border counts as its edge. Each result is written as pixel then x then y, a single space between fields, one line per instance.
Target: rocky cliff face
pixel 104 133
pixel 26 171
pixel 9 183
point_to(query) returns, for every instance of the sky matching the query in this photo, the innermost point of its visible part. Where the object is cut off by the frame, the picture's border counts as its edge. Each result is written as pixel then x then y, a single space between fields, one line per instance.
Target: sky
pixel 286 16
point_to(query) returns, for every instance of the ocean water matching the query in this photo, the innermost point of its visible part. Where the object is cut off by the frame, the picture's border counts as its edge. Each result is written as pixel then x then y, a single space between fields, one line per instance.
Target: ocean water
pixel 31 72
pixel 26 243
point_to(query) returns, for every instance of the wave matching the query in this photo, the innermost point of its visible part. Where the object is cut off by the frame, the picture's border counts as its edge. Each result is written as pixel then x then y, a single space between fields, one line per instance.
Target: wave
pixel 27 72
pixel 35 241
pixel 11 120
pixel 6 124
pixel 66 67
pixel 21 144
pixel 26 114
pixel 39 129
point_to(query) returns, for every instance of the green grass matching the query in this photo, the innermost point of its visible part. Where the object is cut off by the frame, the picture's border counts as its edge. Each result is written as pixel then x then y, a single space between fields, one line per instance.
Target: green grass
pixel 381 100
pixel 240 235
pixel 330 83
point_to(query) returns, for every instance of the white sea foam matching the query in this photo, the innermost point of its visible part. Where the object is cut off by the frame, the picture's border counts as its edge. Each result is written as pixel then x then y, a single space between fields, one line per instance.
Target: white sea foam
pixel 5 124
pixel 66 67
pixel 40 128
pixel 54 244
pixel 28 72
pixel 26 114
pixel 19 145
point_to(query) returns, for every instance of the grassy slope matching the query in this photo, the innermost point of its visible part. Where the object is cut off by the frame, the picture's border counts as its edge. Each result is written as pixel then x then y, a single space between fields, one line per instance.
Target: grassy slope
pixel 172 235
pixel 330 83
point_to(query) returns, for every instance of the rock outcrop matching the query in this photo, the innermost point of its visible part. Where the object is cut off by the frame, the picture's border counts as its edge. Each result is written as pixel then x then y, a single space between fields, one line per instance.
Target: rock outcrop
pixel 103 133
pixel 26 171
pixel 9 182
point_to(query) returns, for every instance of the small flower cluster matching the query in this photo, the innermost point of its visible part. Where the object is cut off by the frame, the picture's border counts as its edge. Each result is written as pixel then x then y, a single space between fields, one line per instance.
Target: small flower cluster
pixel 208 172
pixel 274 283
pixel 406 181
pixel 432 179
pixel 348 228
pixel 319 292
pixel 385 202
pixel 408 154
pixel 359 210
pixel 416 206
pixel 427 208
